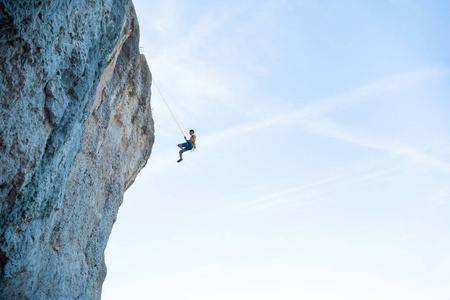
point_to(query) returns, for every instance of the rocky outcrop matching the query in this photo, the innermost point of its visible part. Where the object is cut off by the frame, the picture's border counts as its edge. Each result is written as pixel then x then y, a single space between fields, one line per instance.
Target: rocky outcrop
pixel 76 128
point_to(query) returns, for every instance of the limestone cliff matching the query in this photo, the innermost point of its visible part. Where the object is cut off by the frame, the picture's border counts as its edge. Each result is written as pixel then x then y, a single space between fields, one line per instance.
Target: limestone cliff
pixel 75 130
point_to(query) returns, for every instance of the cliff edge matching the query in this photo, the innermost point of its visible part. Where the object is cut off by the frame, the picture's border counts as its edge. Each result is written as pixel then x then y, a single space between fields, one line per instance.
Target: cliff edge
pixel 76 128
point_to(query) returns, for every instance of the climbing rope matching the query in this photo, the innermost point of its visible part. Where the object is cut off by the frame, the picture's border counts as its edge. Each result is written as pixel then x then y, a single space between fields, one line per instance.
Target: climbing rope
pixel 182 132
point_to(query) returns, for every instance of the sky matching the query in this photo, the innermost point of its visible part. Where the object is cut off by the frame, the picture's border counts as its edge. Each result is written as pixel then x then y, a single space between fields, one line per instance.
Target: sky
pixel 322 168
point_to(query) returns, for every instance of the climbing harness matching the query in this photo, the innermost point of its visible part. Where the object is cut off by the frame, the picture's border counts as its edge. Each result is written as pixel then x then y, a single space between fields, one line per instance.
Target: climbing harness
pixel 193 146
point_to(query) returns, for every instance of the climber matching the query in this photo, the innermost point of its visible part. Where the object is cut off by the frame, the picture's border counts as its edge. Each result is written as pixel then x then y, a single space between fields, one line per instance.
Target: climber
pixel 189 145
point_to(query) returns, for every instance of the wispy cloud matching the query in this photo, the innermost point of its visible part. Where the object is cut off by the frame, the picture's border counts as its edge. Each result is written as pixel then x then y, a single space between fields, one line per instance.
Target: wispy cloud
pixel 366 93
pixel 314 192
pixel 184 71
pixel 165 20
pixel 315 118
pixel 412 154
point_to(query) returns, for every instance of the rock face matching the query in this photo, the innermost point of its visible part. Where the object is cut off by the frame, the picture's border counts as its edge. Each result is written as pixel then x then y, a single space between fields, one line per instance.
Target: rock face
pixel 75 130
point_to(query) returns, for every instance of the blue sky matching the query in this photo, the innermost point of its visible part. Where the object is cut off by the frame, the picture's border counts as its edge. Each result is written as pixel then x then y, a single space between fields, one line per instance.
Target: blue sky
pixel 323 161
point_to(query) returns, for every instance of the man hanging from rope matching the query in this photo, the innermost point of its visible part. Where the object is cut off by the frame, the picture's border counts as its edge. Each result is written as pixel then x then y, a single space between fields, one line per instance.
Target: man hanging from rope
pixel 189 145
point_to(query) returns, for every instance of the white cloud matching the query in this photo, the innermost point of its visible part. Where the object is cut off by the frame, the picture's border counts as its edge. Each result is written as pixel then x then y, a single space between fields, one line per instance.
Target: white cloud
pixel 312 118
pixel 307 117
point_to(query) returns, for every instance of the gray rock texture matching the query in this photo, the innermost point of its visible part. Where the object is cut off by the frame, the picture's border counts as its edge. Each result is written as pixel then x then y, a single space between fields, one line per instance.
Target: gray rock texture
pixel 75 130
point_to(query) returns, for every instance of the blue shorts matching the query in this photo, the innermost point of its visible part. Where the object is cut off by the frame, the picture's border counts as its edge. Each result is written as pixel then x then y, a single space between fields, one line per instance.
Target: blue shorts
pixel 187 146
